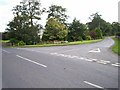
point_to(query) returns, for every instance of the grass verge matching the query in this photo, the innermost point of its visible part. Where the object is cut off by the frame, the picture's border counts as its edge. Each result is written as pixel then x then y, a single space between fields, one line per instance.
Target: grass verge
pixel 4 41
pixel 116 47
pixel 63 44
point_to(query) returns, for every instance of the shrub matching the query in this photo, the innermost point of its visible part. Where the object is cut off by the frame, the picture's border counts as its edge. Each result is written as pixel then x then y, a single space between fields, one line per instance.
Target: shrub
pixel 21 43
pixel 88 37
pixel 13 41
pixel 118 34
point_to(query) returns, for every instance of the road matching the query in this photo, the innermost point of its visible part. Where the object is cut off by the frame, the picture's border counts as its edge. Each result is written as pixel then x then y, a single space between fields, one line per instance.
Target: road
pixel 77 66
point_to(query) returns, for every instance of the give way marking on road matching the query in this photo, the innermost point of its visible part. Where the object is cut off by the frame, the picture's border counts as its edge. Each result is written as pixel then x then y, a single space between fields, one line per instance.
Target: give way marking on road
pixel 97 50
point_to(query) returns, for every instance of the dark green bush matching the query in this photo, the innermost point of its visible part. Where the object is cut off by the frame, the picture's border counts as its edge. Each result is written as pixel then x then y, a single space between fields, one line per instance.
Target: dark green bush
pixel 14 41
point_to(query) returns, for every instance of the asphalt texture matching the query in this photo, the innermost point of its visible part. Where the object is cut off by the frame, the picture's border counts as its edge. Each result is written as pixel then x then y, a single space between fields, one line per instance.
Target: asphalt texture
pixel 76 66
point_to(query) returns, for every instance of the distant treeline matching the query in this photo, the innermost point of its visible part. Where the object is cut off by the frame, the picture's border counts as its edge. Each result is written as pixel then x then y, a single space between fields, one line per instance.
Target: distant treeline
pixel 24 28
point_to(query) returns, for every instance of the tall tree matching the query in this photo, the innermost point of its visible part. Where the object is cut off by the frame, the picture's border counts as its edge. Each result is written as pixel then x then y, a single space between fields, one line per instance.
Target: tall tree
pixel 55 30
pixel 96 21
pixel 115 28
pixel 76 31
pixel 24 24
pixel 57 12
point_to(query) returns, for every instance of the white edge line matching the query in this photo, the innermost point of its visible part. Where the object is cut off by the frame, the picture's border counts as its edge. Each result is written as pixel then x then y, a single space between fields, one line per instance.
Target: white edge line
pixel 5 51
pixel 31 61
pixel 97 86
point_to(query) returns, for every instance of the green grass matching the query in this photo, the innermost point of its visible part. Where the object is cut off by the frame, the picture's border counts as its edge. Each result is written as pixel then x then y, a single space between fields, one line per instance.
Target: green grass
pixel 116 47
pixel 63 44
pixel 4 41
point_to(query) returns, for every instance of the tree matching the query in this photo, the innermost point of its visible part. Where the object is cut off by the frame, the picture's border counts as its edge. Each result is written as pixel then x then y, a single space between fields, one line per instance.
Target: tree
pixel 57 12
pixel 115 28
pixel 99 33
pixel 96 21
pixel 106 29
pixel 24 25
pixel 33 10
pixel 4 36
pixel 55 30
pixel 76 31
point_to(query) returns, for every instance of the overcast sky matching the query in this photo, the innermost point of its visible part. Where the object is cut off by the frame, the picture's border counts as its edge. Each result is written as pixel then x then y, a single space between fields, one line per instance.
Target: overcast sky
pixel 81 9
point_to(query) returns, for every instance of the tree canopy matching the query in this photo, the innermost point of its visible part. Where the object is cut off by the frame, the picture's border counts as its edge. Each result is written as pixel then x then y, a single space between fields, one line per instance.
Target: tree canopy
pixel 24 25
pixel 55 30
pixel 57 12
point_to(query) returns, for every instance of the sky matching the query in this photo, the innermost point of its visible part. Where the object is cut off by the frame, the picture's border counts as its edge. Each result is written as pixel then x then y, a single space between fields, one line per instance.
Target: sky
pixel 81 9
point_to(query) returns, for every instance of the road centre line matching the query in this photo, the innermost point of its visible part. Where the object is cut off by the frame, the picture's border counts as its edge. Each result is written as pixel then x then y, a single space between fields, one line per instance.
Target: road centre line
pixel 6 51
pixel 116 64
pixel 88 60
pixel 105 62
pixel 31 61
pixel 94 85
pixel 68 50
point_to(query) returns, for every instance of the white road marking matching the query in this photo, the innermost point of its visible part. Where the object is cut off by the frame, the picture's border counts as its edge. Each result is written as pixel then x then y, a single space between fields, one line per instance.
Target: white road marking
pixel 103 61
pixel 94 60
pixel 53 53
pixel 31 61
pixel 95 50
pixel 116 64
pixel 68 50
pixel 88 60
pixel 82 58
pixel 6 51
pixel 97 86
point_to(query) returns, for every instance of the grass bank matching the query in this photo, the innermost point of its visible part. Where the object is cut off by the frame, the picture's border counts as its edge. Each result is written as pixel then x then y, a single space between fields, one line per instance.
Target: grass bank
pixel 64 44
pixel 4 41
pixel 116 47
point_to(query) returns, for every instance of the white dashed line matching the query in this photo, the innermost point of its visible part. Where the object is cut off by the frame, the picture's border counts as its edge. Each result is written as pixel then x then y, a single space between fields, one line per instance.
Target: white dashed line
pixel 31 61
pixel 94 85
pixel 94 60
pixel 88 60
pixel 105 62
pixel 5 51
pixel 68 50
pixel 82 58
pixel 116 64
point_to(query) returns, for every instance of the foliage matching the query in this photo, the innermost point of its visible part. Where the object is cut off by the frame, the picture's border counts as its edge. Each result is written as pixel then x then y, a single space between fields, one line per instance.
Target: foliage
pixel 118 34
pixel 116 47
pixel 21 43
pixel 13 41
pixel 57 12
pixel 115 28
pixel 64 44
pixel 24 25
pixel 107 28
pixel 96 21
pixel 24 28
pixel 88 38
pixel 55 30
pixel 99 33
pixel 5 36
pixel 76 31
